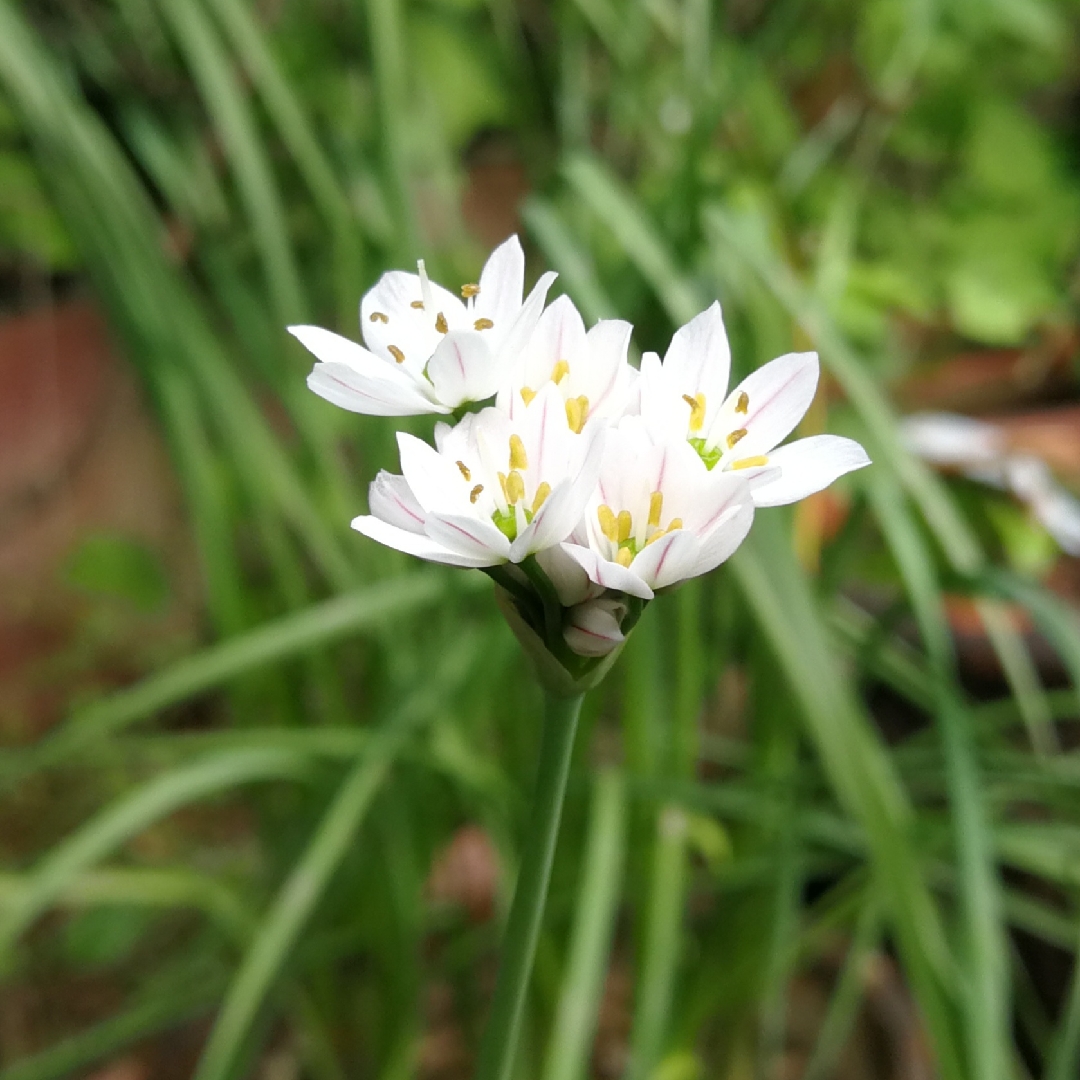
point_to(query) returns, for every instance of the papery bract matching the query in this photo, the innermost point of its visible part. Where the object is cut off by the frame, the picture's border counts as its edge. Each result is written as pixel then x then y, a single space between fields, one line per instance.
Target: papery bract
pixel 658 515
pixel 686 397
pixel 493 489
pixel 428 351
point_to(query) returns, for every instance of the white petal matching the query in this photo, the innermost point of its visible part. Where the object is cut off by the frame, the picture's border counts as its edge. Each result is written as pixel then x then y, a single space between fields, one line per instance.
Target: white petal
pixel 608 574
pixel 779 394
pixel 672 558
pixel 730 531
pixel 391 500
pixel 463 369
pixel 562 509
pixel 570 580
pixel 951 440
pixel 412 330
pixel 809 465
pixel 607 382
pixel 421 546
pixel 593 629
pixel 435 480
pixel 502 284
pixel 470 537
pixel 698 359
pixel 510 346
pixel 342 386
pixel 546 434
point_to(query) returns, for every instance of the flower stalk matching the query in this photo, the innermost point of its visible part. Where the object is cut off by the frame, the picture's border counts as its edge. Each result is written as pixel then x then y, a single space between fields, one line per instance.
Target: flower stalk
pixel 530 895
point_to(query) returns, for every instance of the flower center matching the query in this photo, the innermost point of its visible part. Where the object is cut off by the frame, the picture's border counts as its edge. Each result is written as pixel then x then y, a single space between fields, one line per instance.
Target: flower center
pixel 512 517
pixel 619 530
pixel 712 450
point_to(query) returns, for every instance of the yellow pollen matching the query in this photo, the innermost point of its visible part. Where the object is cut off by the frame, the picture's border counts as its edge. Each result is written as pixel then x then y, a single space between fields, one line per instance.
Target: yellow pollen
pixel 676 523
pixel 518 460
pixel 560 371
pixel 475 493
pixel 483 324
pixel 469 291
pixel 515 487
pixel 542 492
pixel 527 395
pixel 418 305
pixel 441 324
pixel 464 469
pixel 378 316
pixel 743 404
pixel 656 505
pixel 750 462
pixel 576 410
pixel 502 483
pixel 624 523
pixel 607 522
pixel 697 410
pixel 396 353
pixel 624 557
pixel 736 436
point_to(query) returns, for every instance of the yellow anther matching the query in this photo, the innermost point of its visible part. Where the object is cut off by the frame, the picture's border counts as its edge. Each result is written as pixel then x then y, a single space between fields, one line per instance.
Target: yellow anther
pixel 735 437
pixel 396 353
pixel 656 505
pixel 502 483
pixel 418 305
pixel 676 523
pixel 527 395
pixel 475 493
pixel 542 492
pixel 560 371
pixel 577 409
pixel 518 460
pixel 483 324
pixel 378 316
pixel 750 462
pixel 624 556
pixel 624 523
pixel 515 487
pixel 743 404
pixel 697 410
pixel 441 324
pixel 469 291
pixel 607 522
pixel 464 469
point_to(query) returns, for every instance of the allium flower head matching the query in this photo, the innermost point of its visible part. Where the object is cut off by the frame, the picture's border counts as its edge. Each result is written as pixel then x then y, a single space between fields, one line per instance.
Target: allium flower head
pixel 686 397
pixel 492 490
pixel 427 350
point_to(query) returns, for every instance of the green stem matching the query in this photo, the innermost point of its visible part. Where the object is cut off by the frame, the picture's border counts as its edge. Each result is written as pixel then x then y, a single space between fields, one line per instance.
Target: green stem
pixel 523 929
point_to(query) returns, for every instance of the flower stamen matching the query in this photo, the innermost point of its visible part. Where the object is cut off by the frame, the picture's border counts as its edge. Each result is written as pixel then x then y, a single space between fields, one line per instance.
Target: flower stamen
pixel 560 371
pixel 624 523
pixel 518 460
pixel 378 316
pixel 469 291
pixel 697 410
pixel 441 324
pixel 606 517
pixel 527 395
pixel 483 324
pixel 396 353
pixel 624 556
pixel 743 404
pixel 515 487
pixel 750 462
pixel 464 469
pixel 425 284
pixel 656 506
pixel 577 409
pixel 735 436
pixel 542 492
pixel 475 493
pixel 418 305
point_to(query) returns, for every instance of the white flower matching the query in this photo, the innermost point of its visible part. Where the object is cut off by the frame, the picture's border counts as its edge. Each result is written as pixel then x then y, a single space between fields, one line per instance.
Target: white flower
pixel 590 369
pixel 657 516
pixel 427 350
pixel 494 490
pixel 593 628
pixel 686 397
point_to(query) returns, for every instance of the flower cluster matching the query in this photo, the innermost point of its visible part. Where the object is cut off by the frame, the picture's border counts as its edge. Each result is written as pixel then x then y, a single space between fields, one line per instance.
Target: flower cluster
pixel 581 484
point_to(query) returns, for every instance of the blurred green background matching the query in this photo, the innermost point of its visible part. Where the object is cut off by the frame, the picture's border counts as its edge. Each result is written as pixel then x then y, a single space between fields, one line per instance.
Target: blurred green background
pixel 263 782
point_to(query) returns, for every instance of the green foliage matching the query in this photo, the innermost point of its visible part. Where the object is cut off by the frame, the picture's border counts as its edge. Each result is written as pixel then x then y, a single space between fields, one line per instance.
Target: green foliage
pixel 836 174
